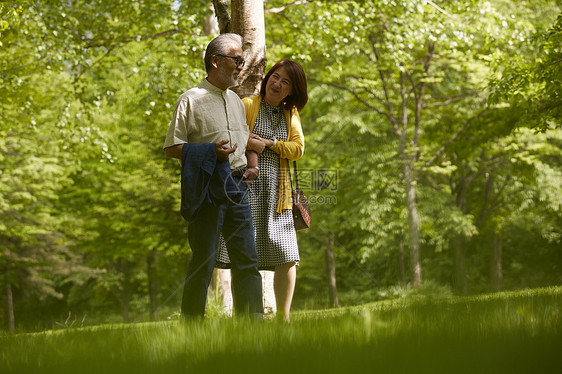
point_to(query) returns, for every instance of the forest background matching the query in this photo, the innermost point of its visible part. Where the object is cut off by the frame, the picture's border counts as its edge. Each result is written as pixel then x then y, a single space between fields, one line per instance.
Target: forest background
pixel 433 155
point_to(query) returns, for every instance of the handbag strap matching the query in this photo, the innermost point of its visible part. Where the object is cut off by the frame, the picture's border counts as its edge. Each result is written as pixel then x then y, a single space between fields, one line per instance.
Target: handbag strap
pixel 296 176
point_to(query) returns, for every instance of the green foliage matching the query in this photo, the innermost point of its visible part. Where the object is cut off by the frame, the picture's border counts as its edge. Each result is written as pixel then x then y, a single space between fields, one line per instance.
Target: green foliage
pixel 89 203
pixel 36 167
pixel 531 83
pixel 85 191
pixel 468 167
pixel 428 290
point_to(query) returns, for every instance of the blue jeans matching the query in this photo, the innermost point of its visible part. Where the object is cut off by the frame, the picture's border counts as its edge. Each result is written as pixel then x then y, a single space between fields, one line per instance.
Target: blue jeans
pixel 233 218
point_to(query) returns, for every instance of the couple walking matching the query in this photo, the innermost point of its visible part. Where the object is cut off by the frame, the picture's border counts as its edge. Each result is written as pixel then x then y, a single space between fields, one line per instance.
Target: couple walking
pixel 235 182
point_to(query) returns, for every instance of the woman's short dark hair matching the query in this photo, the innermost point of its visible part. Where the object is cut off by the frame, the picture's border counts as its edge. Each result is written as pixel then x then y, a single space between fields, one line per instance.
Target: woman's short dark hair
pixel 299 98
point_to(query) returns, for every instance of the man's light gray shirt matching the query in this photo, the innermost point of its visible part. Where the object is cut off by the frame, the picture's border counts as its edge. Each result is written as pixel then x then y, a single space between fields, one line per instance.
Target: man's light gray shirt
pixel 207 114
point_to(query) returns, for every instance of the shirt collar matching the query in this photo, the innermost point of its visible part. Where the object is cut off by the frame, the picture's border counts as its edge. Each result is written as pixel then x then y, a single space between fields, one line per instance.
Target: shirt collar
pixel 210 87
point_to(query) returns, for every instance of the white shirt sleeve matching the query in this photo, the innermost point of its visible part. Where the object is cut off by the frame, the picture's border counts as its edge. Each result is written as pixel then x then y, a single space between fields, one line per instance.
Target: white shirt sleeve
pixel 177 130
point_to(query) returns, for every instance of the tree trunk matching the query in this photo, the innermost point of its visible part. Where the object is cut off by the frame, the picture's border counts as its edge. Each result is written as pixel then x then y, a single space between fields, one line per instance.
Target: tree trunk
pixel 248 21
pixel 219 22
pixel 221 288
pixel 211 26
pixel 10 307
pixel 123 295
pixel 223 17
pixel 401 263
pixel 152 284
pixel 460 267
pixel 458 242
pixel 331 272
pixel 409 158
pixel 487 197
pixel 413 223
pixel 269 303
pixel 497 275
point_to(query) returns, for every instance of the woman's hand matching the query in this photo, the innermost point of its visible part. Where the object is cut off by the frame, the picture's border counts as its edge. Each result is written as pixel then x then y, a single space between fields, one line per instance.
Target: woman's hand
pixel 256 143
pixel 267 142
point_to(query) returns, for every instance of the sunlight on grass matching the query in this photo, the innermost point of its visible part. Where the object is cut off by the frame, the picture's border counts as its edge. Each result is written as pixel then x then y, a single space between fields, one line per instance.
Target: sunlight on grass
pixel 507 332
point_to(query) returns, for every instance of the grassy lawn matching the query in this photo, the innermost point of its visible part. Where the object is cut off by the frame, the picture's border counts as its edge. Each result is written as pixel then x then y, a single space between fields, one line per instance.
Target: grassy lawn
pixel 512 332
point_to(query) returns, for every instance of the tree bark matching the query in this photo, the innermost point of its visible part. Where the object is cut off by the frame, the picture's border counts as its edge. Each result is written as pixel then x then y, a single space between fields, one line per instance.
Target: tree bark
pixel 458 243
pixel 459 253
pixel 331 272
pixel 211 26
pixel 223 17
pixel 152 284
pixel 497 274
pixel 248 21
pixel 10 307
pixel 221 286
pixel 487 198
pixel 221 281
pixel 413 223
pixel 401 263
pixel 123 295
pixel 269 303
pixel 409 157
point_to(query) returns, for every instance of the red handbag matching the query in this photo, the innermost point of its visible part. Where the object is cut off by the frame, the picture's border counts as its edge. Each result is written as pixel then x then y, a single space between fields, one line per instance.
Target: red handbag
pixel 301 209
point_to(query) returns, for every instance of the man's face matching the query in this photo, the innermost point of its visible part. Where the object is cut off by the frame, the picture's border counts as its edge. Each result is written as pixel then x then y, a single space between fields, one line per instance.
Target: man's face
pixel 227 66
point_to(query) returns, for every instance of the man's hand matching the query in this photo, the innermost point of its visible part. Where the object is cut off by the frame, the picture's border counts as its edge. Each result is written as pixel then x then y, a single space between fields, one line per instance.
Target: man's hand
pixel 256 143
pixel 223 151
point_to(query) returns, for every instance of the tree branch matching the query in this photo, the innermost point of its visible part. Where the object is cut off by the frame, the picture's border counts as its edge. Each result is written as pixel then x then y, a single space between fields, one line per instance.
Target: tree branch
pixel 286 6
pixel 491 202
pixel 487 193
pixel 448 101
pixel 452 138
pixel 419 96
pixel 388 104
pixel 82 70
pixel 404 105
pixel 357 97
pixel 442 11
pixel 375 96
pixel 105 42
pixel 498 199
pixel 223 15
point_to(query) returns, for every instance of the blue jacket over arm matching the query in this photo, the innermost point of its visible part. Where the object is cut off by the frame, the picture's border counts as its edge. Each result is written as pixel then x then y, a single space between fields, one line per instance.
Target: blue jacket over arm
pixel 202 177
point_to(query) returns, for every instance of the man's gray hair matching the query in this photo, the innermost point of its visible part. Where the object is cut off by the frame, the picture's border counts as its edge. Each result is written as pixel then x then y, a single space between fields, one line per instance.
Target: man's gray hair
pixel 219 46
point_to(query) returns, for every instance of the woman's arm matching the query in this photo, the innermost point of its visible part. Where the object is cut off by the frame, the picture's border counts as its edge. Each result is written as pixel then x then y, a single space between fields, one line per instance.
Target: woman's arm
pixel 293 148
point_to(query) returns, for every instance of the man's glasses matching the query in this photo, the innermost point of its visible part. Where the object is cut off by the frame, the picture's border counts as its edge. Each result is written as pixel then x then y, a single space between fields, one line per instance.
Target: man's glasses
pixel 238 60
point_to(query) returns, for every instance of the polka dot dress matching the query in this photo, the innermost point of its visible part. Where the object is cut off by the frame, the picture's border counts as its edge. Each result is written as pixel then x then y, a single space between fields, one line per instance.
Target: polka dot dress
pixel 276 239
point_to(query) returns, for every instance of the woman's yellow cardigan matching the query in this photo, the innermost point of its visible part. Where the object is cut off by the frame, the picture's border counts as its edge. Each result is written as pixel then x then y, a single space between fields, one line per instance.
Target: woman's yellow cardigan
pixel 290 149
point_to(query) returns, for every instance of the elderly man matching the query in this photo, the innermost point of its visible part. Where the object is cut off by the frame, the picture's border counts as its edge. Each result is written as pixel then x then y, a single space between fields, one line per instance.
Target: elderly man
pixel 208 133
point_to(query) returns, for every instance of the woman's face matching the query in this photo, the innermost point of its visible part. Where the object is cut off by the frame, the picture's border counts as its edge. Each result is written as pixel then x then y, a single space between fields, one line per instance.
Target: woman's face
pixel 278 87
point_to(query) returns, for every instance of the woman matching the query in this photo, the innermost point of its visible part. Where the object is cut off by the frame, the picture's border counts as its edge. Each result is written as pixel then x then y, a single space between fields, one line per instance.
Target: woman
pixel 273 118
